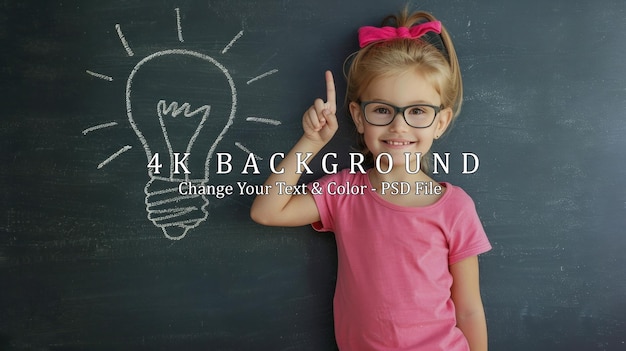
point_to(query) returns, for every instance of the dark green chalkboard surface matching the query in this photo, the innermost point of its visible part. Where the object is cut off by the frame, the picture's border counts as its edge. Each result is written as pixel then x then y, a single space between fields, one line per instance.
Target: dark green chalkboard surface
pixel 96 253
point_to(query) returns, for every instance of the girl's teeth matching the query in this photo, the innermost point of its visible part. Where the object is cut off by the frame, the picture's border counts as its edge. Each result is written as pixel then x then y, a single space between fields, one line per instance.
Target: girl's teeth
pixel 398 143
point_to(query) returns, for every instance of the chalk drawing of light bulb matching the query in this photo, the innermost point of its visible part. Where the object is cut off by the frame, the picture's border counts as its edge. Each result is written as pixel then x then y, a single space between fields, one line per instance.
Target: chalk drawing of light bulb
pixel 180 103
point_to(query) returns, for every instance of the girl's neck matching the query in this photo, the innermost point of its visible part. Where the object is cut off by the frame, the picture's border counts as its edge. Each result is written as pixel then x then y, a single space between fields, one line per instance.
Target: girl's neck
pixel 398 174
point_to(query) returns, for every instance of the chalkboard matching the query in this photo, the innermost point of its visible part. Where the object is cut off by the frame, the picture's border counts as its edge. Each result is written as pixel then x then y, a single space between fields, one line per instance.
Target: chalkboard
pixel 89 261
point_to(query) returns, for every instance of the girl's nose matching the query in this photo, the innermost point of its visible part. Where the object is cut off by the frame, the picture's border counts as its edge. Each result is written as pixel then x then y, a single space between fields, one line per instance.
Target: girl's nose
pixel 399 124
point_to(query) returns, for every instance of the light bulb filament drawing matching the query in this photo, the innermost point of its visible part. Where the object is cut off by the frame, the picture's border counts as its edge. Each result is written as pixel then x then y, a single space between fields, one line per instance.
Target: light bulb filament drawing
pixel 163 109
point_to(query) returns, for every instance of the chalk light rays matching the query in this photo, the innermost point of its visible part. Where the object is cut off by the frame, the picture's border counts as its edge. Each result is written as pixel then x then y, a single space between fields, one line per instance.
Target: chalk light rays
pixel 179 27
pixel 118 29
pixel 232 42
pixel 258 119
pixel 99 75
pixel 179 33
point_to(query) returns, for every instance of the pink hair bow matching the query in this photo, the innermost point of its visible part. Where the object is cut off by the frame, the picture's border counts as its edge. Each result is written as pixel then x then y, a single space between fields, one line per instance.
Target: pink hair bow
pixel 369 34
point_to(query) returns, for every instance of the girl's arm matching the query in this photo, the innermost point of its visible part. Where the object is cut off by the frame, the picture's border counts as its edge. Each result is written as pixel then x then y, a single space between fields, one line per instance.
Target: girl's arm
pixel 320 124
pixel 470 314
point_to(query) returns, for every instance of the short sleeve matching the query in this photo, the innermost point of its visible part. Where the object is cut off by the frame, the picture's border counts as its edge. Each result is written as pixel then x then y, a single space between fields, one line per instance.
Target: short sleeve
pixel 467 236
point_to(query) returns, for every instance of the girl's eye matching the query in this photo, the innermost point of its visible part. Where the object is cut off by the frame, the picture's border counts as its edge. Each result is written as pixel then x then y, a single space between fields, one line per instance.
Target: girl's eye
pixel 417 111
pixel 382 110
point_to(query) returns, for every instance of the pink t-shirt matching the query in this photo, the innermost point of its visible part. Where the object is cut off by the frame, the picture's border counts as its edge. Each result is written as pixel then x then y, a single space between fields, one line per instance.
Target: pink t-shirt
pixel 393 279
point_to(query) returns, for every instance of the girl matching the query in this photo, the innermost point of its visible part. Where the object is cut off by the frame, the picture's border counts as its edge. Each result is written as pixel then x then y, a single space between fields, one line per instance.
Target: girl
pixel 408 270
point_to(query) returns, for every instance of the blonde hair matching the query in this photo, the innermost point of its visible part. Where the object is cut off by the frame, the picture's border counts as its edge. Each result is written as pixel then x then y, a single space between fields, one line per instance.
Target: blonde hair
pixel 440 65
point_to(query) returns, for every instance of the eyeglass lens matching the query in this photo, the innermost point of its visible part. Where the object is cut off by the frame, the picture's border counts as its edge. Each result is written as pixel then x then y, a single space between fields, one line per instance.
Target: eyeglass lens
pixel 381 114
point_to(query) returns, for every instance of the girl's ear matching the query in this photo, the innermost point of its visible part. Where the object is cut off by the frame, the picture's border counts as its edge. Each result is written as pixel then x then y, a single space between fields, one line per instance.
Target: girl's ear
pixel 357 116
pixel 443 122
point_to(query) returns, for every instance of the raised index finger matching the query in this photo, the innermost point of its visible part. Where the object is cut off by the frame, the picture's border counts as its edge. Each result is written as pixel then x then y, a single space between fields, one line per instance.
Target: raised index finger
pixel 331 99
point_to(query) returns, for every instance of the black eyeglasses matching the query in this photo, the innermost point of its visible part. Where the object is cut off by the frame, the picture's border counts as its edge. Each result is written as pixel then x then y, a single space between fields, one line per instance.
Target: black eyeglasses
pixel 382 114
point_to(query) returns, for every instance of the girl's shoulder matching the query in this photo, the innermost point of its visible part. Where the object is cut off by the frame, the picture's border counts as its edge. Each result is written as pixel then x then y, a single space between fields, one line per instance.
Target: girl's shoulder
pixel 458 206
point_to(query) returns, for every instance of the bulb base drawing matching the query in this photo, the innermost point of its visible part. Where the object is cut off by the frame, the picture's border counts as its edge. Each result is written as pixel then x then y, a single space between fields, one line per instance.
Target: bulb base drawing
pixel 174 213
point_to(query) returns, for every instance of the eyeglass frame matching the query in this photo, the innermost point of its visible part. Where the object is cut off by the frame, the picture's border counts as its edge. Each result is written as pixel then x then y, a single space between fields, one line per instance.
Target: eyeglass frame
pixel 398 110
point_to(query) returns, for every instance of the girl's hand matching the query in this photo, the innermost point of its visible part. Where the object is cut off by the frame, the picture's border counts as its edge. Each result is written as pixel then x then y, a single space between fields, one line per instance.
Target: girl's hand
pixel 319 121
